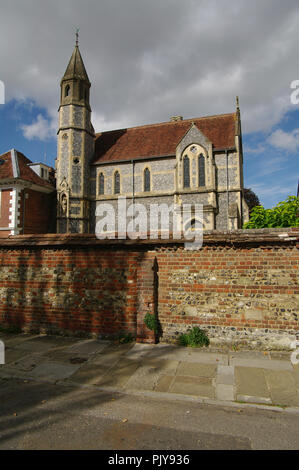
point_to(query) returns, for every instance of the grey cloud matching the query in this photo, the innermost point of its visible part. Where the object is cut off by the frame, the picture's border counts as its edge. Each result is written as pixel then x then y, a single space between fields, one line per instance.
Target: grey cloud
pixel 148 60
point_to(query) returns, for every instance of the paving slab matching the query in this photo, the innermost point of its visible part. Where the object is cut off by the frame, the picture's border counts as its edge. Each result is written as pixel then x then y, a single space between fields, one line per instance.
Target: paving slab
pixel 169 351
pixel 196 370
pixel 119 374
pixel 15 340
pixel 147 375
pixel 89 374
pixel 157 350
pixel 253 399
pixel 196 355
pixel 111 354
pixel 88 347
pixel 251 381
pixel 13 355
pixel 164 383
pixel 280 355
pixel 282 387
pixel 64 356
pixel 296 376
pixel 196 386
pixel 205 357
pixel 225 375
pixel 250 355
pixel 144 378
pixel 262 363
pixel 36 346
pixel 141 351
pixel 29 362
pixel 53 371
pixel 225 392
pixel 161 365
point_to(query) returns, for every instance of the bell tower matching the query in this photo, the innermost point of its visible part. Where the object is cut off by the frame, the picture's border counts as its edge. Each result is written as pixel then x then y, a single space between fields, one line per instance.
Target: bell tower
pixel 75 148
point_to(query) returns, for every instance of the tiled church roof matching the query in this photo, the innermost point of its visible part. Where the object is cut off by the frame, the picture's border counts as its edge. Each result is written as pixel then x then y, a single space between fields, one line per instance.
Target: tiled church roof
pixel 14 164
pixel 162 139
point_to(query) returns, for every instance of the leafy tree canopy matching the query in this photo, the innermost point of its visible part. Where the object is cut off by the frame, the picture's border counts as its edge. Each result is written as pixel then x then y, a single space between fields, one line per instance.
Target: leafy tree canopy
pixel 285 214
pixel 251 198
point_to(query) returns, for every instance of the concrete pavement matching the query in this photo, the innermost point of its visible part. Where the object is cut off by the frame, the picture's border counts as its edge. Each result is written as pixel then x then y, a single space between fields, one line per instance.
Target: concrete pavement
pixel 162 370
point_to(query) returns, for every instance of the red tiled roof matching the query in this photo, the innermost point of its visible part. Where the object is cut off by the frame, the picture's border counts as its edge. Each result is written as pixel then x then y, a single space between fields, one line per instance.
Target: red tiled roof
pixel 161 139
pixel 6 170
pixel 25 172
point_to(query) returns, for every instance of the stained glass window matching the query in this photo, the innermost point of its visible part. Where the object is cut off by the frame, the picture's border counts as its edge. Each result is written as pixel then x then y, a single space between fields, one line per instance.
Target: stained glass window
pixel 186 172
pixel 116 182
pixel 147 180
pixel 201 171
pixel 101 184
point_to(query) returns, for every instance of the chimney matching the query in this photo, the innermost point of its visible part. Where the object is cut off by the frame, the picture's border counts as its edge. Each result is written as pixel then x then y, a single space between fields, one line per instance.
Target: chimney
pixel 176 118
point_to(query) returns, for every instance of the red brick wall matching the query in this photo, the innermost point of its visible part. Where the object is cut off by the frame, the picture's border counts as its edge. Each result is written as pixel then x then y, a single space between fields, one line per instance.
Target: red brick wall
pixel 39 208
pixel 240 292
pixel 4 212
pixel 229 291
pixel 77 289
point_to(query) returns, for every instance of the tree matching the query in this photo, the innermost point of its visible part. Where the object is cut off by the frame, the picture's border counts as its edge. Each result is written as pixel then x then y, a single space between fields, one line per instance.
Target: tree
pixel 285 214
pixel 251 199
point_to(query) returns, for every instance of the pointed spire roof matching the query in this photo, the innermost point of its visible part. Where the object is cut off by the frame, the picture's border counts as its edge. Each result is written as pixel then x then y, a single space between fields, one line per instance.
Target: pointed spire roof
pixel 76 68
pixel 238 118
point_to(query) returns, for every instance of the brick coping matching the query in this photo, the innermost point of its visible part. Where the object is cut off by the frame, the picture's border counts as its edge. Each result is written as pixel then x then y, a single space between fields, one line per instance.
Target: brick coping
pixel 270 236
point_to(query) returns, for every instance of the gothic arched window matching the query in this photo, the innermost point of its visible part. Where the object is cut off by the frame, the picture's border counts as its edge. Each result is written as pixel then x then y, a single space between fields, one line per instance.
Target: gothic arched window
pixel 67 91
pixel 201 171
pixel 186 172
pixel 101 184
pixel 147 180
pixel 116 182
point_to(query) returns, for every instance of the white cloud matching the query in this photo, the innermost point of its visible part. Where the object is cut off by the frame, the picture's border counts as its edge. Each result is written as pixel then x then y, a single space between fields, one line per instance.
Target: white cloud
pixel 284 140
pixel 148 60
pixel 255 150
pixel 41 129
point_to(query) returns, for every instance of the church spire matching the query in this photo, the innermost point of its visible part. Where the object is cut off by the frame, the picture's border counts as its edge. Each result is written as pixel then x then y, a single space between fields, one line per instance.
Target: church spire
pixel 76 68
pixel 75 83
pixel 75 148
pixel 238 118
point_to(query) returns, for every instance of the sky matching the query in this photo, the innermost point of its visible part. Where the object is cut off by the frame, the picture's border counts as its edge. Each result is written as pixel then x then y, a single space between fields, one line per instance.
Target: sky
pixel 148 60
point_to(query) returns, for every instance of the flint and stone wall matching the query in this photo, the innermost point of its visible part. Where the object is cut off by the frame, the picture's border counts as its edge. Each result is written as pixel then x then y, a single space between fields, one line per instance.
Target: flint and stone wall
pixel 241 287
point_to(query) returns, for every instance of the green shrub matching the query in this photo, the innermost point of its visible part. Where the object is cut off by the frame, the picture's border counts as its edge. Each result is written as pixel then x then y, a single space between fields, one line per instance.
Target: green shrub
pixel 10 329
pixel 151 322
pixel 194 338
pixel 124 338
pixel 284 214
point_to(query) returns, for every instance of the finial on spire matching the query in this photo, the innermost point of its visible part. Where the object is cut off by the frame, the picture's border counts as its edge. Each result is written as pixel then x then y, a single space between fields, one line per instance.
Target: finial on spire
pixel 237 102
pixel 77 36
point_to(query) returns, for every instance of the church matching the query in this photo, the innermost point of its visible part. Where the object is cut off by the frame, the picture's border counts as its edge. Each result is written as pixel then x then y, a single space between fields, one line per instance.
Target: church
pixel 183 161
pixel 195 161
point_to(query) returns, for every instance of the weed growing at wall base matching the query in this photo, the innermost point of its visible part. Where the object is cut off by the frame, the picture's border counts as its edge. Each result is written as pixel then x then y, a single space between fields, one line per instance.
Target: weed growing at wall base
pixel 151 322
pixel 194 338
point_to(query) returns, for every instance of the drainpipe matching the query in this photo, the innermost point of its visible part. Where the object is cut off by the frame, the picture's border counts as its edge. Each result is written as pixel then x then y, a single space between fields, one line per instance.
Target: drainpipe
pixel 227 187
pixel 133 181
pixel 133 187
pixel 24 203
